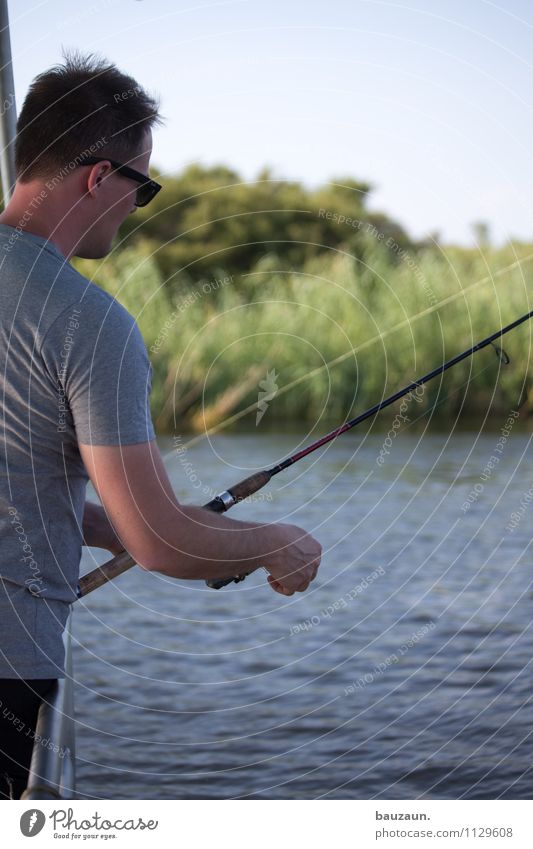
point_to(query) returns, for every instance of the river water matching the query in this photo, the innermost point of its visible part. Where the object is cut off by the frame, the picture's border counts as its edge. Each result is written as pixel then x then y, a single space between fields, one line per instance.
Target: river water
pixel 405 672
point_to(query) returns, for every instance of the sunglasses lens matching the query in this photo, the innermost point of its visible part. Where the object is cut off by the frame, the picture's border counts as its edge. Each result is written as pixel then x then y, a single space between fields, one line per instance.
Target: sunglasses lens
pixel 145 193
pixel 140 197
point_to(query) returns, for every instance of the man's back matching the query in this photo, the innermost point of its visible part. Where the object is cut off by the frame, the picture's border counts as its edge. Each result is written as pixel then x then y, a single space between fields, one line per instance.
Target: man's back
pixel 74 369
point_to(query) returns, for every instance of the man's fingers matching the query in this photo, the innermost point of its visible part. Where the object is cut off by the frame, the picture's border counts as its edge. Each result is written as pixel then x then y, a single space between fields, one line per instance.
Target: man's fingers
pixel 305 577
pixel 279 588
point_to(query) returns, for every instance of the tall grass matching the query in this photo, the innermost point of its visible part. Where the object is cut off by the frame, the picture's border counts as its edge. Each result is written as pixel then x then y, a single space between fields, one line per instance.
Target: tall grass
pixel 335 336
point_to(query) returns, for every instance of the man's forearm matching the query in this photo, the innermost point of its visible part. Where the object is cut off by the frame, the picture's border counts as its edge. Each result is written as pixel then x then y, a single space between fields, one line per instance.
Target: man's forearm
pixel 197 543
pixel 205 545
pixel 98 530
pixel 186 541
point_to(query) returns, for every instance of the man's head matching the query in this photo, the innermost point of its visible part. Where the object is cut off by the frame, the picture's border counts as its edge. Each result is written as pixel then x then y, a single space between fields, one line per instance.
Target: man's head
pixel 86 109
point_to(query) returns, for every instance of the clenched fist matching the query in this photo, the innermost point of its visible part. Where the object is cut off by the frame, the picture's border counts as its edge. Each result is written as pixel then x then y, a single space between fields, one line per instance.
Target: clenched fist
pixel 294 564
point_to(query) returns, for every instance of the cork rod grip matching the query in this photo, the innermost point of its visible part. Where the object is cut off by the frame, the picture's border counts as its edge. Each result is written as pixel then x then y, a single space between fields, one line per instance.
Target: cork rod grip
pixel 250 485
pixel 104 573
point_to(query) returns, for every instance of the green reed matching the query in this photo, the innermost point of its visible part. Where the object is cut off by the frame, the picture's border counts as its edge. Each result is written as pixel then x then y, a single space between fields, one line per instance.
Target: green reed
pixel 330 338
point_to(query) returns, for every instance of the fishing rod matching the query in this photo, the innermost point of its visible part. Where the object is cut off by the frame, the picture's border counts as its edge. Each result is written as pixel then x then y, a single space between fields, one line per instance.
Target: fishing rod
pixel 242 490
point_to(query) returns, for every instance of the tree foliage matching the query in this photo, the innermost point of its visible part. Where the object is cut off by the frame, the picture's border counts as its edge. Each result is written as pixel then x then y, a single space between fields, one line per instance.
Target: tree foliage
pixel 208 220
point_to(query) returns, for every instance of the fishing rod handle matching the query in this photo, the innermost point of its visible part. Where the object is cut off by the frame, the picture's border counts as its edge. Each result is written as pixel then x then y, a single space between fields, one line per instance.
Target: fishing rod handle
pixel 104 573
pixel 224 502
pixel 221 503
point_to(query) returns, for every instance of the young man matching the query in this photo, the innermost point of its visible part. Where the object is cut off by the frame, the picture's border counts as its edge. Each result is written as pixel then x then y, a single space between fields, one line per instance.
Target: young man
pixel 76 385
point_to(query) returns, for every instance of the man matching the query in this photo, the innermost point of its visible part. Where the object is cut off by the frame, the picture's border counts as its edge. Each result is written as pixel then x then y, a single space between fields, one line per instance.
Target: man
pixel 75 395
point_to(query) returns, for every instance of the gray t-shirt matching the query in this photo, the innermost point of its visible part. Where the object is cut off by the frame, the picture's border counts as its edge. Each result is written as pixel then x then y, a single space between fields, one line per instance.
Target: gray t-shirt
pixel 75 370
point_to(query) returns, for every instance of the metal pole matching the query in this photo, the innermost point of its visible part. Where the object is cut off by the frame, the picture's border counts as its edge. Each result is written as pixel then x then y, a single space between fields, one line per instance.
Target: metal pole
pixel 8 107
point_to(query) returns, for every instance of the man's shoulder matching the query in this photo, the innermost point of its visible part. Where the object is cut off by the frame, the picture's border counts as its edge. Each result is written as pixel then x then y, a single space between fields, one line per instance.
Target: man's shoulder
pixel 35 265
pixel 93 306
pixel 93 298
pixel 89 326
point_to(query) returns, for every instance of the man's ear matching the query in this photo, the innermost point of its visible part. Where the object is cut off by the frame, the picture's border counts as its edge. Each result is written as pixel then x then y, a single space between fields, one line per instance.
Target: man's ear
pixel 96 176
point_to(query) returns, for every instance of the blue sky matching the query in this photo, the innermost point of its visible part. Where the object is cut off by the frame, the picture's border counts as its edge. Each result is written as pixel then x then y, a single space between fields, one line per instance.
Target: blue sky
pixel 429 100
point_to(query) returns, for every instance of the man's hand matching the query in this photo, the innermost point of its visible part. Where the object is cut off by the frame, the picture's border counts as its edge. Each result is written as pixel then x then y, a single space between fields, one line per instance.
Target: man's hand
pixel 98 530
pixel 295 564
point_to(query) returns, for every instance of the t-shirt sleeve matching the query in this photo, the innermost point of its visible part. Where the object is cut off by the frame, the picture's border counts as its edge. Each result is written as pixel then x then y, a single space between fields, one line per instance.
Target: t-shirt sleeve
pixel 98 354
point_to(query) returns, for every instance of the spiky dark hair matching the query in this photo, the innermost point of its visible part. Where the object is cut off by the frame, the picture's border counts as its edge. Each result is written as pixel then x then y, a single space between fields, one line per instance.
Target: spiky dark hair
pixel 83 105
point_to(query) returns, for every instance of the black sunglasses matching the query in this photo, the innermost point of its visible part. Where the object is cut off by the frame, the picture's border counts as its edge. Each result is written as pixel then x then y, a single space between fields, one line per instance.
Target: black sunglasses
pixel 145 192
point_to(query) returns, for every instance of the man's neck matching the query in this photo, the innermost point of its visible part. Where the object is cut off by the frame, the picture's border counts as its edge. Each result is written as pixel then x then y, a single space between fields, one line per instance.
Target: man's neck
pixel 32 210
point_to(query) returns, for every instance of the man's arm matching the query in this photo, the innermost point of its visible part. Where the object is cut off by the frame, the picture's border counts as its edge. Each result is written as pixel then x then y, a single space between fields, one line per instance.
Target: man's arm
pixel 98 530
pixel 190 542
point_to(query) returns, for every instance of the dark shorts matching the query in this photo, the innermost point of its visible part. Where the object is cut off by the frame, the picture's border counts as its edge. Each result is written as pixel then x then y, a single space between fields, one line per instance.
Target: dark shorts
pixel 19 707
